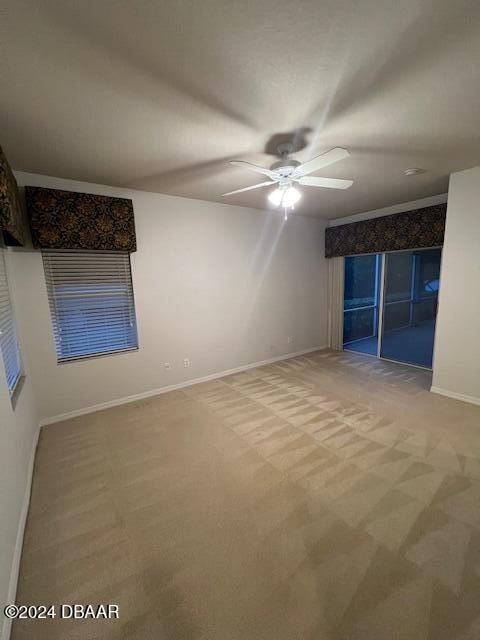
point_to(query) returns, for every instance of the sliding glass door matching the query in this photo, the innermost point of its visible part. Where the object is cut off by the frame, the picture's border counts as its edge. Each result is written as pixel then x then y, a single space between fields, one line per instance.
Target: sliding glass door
pixel 361 303
pixel 410 306
pixel 390 305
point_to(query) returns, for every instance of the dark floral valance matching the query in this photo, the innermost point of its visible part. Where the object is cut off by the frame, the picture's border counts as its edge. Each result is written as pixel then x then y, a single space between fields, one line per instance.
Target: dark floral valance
pixel 71 220
pixel 11 217
pixel 414 229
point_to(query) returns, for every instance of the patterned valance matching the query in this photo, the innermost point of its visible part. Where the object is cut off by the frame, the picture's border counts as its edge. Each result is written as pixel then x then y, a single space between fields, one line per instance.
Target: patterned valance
pixel 71 220
pixel 414 229
pixel 11 218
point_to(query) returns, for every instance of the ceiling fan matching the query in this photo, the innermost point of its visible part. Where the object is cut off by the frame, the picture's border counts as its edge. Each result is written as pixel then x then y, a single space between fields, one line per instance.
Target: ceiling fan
pixel 286 172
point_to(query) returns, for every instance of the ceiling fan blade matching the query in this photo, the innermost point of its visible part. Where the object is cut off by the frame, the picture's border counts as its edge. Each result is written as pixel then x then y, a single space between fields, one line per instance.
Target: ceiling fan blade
pixel 330 183
pixel 255 186
pixel 329 157
pixel 254 167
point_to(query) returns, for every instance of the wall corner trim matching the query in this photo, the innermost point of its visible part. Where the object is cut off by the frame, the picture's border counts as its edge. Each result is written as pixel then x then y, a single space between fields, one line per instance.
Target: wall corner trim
pixel 17 553
pixel 456 396
pixel 173 387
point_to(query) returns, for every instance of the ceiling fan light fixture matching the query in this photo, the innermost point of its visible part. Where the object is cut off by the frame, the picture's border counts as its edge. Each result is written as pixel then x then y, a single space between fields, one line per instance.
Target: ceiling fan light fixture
pixel 285 196
pixel 276 197
pixel 290 197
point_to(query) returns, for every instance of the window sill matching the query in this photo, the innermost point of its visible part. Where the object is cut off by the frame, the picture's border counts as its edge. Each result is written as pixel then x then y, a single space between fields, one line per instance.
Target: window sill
pixel 94 356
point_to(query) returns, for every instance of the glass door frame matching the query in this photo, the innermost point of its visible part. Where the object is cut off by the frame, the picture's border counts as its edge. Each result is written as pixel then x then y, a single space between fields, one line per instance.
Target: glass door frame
pixel 376 306
pixel 380 302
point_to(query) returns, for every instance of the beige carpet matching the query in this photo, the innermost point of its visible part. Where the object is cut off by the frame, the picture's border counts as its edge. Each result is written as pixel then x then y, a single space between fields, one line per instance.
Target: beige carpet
pixel 327 497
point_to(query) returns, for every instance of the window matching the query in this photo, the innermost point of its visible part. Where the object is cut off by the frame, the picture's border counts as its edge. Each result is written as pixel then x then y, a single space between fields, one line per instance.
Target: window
pixel 91 302
pixel 8 331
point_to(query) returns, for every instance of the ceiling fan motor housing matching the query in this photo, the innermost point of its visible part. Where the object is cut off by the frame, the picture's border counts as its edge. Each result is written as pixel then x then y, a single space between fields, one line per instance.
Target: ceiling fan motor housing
pixel 285 167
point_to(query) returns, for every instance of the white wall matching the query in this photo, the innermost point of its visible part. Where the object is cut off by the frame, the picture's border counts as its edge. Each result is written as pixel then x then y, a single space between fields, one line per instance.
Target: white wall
pixel 222 285
pixel 18 436
pixel 456 369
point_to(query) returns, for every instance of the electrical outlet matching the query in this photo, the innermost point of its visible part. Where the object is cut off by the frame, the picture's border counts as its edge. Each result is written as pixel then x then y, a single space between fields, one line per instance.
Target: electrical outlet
pixel 289 340
pixel 186 362
pixel 168 365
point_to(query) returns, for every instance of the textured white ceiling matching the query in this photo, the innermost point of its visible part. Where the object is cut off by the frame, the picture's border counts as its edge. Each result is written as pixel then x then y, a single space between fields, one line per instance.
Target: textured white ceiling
pixel 160 95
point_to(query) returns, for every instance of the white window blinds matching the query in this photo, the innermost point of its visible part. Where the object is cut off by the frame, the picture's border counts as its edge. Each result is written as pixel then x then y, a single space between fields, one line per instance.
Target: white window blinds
pixel 8 331
pixel 91 302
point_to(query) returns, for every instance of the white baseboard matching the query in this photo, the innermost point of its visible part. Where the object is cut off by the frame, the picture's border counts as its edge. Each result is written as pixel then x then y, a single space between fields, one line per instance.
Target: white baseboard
pixel 171 387
pixel 457 396
pixel 17 553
